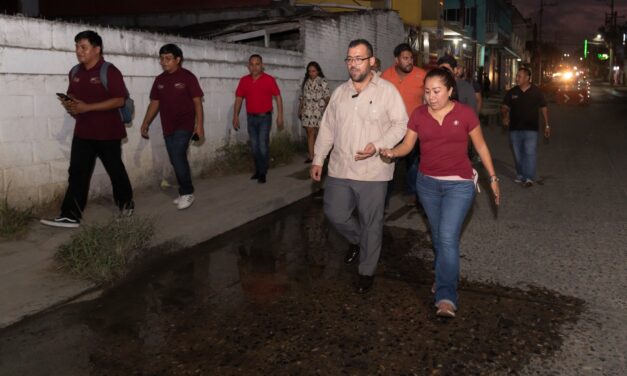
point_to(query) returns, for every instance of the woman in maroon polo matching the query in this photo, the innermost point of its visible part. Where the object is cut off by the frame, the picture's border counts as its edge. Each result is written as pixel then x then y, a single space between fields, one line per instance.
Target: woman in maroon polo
pixel 446 180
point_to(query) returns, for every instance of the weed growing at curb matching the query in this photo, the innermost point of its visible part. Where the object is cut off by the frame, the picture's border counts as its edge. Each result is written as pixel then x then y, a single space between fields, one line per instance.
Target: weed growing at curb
pixel 13 221
pixel 102 253
pixel 235 158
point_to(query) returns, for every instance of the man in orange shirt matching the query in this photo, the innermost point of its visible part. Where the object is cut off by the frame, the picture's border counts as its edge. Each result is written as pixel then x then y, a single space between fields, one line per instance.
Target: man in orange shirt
pixel 409 81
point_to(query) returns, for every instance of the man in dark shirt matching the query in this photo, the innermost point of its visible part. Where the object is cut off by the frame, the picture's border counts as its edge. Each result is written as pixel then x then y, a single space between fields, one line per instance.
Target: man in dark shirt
pixel 98 132
pixel 520 113
pixel 176 95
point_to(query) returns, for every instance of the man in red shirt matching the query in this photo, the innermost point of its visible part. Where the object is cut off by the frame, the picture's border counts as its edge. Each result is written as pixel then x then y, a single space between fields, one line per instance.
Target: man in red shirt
pixel 97 134
pixel 409 80
pixel 177 96
pixel 258 88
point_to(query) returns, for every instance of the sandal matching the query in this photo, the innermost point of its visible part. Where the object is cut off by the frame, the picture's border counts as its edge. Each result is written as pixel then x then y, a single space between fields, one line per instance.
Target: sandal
pixel 445 310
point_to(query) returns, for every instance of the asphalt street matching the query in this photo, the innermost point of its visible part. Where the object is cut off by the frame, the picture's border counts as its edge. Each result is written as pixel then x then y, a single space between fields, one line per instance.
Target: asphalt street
pixel 567 234
pixel 544 288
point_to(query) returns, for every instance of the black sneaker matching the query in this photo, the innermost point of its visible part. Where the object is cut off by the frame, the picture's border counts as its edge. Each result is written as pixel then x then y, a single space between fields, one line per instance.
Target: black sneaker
pixel 262 179
pixel 61 222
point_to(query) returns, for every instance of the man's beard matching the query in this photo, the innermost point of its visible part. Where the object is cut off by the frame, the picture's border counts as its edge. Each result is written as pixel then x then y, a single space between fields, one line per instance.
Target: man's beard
pixel 361 77
pixel 407 69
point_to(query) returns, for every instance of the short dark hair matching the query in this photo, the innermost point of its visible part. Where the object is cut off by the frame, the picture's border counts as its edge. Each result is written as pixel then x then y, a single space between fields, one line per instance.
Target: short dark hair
pixel 445 75
pixel 402 48
pixel 91 36
pixel 357 42
pixel 526 70
pixel 447 59
pixel 173 49
pixel 255 56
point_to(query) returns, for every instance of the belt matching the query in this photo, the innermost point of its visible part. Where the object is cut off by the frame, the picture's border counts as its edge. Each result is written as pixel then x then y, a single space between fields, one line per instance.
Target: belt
pixel 263 114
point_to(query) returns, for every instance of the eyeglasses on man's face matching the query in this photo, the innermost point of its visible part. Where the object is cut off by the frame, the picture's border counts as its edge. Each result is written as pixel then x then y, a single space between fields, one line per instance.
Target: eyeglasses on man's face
pixel 356 60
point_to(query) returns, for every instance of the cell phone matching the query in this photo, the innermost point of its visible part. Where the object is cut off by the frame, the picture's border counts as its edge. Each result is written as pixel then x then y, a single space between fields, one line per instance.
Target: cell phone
pixel 195 137
pixel 64 97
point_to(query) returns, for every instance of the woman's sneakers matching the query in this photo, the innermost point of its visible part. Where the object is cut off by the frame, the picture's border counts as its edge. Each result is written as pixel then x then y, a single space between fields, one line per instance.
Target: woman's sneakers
pixel 183 202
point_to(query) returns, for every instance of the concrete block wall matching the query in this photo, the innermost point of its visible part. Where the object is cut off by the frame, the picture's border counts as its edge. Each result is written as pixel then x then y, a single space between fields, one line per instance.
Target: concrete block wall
pixel 326 40
pixel 36 55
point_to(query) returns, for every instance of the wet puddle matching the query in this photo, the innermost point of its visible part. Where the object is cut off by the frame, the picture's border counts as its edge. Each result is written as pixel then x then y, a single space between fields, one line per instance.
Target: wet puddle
pixel 274 298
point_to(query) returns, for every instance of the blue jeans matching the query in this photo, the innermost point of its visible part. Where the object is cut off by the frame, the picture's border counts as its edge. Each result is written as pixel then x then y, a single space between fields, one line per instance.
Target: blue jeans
pixel 446 204
pixel 259 133
pixel 177 144
pixel 525 146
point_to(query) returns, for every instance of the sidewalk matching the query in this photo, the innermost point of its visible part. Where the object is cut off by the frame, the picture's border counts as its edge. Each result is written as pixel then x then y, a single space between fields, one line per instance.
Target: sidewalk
pixel 29 282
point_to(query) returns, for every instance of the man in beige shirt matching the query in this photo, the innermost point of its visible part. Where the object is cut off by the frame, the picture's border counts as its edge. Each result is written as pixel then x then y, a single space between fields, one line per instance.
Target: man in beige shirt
pixel 365 114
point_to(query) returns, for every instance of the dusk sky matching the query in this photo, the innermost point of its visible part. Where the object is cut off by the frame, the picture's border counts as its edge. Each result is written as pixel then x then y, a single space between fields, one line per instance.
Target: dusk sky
pixel 571 21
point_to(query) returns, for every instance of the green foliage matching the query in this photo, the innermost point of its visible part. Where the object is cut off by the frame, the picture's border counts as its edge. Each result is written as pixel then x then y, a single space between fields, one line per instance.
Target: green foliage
pixel 101 253
pixel 13 222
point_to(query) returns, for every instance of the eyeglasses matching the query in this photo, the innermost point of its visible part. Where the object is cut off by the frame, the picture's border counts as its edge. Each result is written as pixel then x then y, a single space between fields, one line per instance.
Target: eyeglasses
pixel 356 60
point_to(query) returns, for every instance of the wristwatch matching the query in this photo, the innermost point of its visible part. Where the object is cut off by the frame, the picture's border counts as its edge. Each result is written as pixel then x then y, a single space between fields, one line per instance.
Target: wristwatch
pixel 547 126
pixel 494 178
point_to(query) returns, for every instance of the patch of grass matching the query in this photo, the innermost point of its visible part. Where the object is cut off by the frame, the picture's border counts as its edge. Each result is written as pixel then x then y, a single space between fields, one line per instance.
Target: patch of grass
pixel 282 149
pixel 13 221
pixel 102 253
pixel 232 158
pixel 236 158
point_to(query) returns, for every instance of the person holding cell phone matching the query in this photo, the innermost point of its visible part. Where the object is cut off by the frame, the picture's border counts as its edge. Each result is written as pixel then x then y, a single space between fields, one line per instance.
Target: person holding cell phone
pixel 98 132
pixel 176 95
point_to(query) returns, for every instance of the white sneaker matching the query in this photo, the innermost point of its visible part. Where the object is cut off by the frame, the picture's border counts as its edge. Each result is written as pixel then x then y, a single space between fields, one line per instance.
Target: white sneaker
pixel 184 202
pixel 176 200
pixel 64 222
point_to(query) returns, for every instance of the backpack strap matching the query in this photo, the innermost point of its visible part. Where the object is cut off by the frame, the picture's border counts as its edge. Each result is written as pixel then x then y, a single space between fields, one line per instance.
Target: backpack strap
pixel 74 70
pixel 103 75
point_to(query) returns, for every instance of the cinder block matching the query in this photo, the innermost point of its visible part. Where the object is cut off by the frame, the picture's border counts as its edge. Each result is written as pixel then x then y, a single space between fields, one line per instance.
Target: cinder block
pixel 14 154
pixel 20 129
pixel 47 106
pixel 25 32
pixel 16 106
pixel 53 84
pixel 29 61
pixel 28 176
pixel 59 171
pixel 48 151
pixel 23 197
pixel 21 85
pixel 61 129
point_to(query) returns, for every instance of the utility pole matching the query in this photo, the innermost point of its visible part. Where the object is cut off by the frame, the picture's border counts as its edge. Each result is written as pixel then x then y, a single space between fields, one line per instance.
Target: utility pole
pixel 541 15
pixel 611 32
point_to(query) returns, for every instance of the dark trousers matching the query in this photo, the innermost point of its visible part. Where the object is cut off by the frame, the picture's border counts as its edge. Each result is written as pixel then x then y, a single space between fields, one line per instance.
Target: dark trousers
pixel 259 133
pixel 177 144
pixel 82 161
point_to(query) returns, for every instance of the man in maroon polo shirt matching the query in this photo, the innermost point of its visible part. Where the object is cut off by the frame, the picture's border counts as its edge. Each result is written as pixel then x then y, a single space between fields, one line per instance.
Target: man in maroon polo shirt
pixel 97 134
pixel 177 96
pixel 258 88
